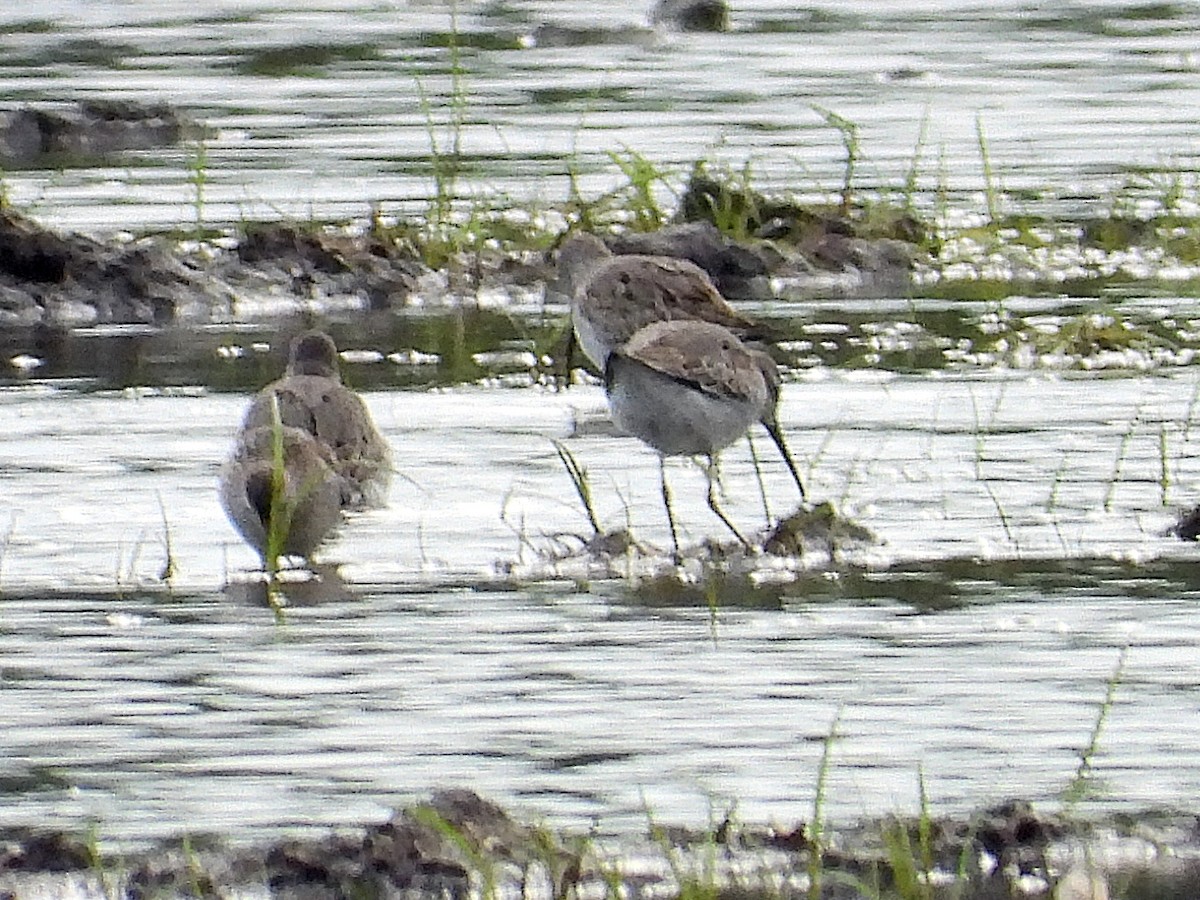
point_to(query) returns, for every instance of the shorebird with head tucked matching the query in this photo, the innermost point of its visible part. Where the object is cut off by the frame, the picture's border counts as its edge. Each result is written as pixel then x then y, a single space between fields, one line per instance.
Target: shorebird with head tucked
pixel 310 396
pixel 690 388
pixel 614 297
pixel 281 492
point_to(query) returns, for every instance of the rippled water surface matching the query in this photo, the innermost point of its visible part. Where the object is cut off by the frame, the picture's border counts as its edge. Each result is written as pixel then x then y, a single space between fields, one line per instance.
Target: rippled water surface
pixel 1020 523
pixel 1020 514
pixel 322 109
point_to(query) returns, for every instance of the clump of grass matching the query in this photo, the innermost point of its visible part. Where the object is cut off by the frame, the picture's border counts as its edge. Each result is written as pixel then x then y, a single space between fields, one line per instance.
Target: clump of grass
pixel 580 481
pixel 1002 514
pixel 912 176
pixel 712 598
pixel 200 882
pixel 125 574
pixel 911 867
pixel 280 517
pixel 991 190
pixel 734 209
pixel 633 205
pixel 850 142
pixel 476 856
pixel 97 863
pixel 442 238
pixel 1164 467
pixel 6 542
pixel 642 206
pixel 168 570
pixel 1119 464
pixel 282 509
pixel 816 829
pixel 704 885
pixel 1081 785
pixel 198 179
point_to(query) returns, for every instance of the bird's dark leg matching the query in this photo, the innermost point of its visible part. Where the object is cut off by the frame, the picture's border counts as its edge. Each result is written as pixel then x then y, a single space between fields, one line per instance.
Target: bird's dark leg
pixel 758 476
pixel 666 495
pixel 776 433
pixel 715 506
pixel 563 369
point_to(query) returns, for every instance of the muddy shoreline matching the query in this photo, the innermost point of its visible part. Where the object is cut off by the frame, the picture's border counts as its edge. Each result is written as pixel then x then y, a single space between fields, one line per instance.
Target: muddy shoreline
pixel 53 283
pixel 457 844
pixel 61 280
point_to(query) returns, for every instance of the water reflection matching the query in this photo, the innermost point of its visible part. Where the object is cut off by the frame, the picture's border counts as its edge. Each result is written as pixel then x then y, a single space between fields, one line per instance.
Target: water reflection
pixel 1074 103
pixel 321 584
pixel 1021 521
pixel 423 349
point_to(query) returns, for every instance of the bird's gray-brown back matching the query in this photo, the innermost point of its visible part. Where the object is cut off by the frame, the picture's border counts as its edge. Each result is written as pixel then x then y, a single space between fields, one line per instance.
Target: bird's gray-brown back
pixel 616 296
pixel 310 396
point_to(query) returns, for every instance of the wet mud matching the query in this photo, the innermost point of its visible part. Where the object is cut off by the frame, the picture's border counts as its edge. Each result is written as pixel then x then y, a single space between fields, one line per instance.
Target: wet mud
pixel 57 279
pixel 50 279
pixel 459 845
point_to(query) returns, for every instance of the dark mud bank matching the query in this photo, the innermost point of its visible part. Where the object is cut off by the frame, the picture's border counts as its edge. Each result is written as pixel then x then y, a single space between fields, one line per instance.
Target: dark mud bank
pixel 64 280
pixel 54 280
pixel 459 845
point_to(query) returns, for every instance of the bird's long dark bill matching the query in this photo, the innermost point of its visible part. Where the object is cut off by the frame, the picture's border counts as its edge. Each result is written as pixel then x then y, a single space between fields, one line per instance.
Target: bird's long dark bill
pixel 776 433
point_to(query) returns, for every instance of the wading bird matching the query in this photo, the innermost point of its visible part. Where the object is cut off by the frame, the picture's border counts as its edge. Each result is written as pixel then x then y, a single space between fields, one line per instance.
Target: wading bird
pixel 690 388
pixel 283 496
pixel 614 297
pixel 311 396
pixel 307 451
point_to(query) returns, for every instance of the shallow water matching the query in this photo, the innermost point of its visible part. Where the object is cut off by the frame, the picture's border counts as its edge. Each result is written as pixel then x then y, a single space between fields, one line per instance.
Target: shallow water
pixel 323 109
pixel 1019 520
pixel 1020 513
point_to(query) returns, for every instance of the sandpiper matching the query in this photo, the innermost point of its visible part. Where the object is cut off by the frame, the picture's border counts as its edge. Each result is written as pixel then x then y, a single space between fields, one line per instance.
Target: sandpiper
pixel 287 488
pixel 613 297
pixel 690 388
pixel 310 396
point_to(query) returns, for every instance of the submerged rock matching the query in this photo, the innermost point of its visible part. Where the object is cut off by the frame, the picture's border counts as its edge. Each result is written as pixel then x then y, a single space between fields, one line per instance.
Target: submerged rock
pixel 1187 526
pixel 554 35
pixel 94 129
pixel 876 253
pixel 432 849
pixel 383 272
pixel 818 528
pixel 31 850
pixel 67 280
pixel 692 15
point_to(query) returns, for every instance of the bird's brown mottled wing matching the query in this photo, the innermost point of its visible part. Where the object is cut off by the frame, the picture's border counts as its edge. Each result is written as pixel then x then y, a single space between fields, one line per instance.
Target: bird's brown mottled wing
pixel 631 292
pixel 338 418
pixel 705 354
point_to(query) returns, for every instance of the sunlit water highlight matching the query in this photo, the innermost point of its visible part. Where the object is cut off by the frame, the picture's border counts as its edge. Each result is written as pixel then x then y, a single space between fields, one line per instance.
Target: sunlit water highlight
pixel 1073 102
pixel 976 650
pixel 1020 514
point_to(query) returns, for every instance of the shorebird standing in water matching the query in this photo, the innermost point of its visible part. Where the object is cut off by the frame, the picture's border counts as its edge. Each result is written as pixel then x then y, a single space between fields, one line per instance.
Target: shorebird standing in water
pixel 310 396
pixel 690 388
pixel 283 498
pixel 614 297
pixel 307 450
